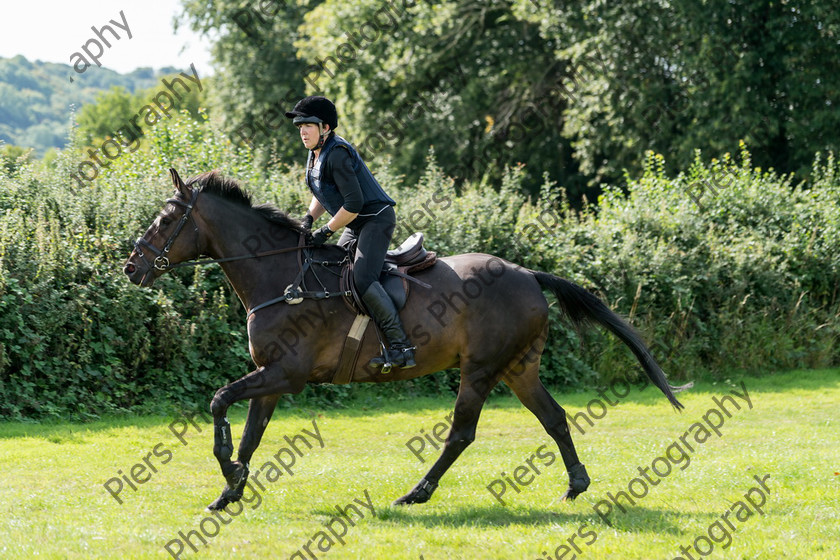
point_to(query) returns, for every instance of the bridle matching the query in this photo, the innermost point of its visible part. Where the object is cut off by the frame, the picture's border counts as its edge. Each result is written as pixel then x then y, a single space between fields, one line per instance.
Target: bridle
pixel 292 294
pixel 161 261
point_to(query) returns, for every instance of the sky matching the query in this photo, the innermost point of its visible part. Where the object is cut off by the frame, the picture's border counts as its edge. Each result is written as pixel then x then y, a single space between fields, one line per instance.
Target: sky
pixel 52 30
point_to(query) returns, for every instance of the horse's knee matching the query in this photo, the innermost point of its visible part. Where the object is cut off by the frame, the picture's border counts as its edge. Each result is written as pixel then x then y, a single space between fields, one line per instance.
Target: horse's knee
pixel 460 442
pixel 219 404
pixel 560 427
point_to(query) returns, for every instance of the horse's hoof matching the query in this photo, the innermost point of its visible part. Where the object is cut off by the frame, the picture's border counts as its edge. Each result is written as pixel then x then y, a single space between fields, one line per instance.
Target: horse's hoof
pixel 578 482
pixel 220 503
pixel 236 480
pixel 420 494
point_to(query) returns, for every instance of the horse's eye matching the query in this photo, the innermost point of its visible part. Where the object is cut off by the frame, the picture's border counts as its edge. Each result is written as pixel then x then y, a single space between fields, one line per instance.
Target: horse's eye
pixel 165 222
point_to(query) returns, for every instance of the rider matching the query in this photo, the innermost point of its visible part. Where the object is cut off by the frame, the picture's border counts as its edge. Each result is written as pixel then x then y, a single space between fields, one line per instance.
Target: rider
pixel 343 185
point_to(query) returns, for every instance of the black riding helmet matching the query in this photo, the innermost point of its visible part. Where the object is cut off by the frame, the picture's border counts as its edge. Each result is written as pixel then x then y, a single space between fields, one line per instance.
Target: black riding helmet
pixel 314 109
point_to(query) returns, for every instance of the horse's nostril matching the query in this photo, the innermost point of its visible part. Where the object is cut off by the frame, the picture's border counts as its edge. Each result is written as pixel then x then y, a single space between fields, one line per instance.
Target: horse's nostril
pixel 129 268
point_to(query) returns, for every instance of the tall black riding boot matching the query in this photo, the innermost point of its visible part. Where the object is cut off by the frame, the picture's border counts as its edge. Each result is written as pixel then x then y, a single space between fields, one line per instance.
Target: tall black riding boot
pixel 381 307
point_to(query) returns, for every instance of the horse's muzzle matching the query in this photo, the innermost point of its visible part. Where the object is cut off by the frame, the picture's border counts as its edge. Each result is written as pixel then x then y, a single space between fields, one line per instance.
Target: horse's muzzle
pixel 144 278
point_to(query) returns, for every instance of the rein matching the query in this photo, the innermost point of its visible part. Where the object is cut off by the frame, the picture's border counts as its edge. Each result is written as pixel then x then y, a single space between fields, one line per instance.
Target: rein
pixel 238 258
pixel 294 295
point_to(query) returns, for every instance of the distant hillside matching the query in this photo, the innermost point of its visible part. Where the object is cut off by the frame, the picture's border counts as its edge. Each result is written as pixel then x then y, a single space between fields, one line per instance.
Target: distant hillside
pixel 36 97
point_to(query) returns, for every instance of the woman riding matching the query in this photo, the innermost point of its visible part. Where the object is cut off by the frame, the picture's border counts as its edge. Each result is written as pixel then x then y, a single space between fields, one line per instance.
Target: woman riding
pixel 343 186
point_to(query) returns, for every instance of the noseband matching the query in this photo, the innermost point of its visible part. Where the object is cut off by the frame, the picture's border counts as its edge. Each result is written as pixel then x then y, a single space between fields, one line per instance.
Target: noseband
pixel 161 261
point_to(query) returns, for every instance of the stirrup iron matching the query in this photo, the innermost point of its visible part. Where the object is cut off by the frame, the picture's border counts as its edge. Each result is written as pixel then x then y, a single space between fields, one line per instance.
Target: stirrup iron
pixel 388 361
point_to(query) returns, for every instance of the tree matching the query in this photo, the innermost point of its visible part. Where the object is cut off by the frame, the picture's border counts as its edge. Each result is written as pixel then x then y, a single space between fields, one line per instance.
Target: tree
pixel 101 119
pixel 259 74
pixel 112 112
pixel 579 90
pixel 684 75
pixel 468 77
pixel 13 157
pixel 36 97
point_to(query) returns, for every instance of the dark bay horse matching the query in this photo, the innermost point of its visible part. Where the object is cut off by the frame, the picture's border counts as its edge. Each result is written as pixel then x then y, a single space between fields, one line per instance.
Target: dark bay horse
pixel 482 314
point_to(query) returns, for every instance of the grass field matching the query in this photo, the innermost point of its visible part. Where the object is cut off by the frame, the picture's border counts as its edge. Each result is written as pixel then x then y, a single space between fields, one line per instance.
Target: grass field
pixel 57 506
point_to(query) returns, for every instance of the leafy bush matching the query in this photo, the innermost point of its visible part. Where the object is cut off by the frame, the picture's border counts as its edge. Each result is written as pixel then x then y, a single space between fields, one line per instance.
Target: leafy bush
pixel 739 274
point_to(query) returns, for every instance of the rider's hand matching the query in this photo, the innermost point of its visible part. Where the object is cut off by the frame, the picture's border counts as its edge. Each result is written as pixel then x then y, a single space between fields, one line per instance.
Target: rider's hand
pixel 321 235
pixel 307 222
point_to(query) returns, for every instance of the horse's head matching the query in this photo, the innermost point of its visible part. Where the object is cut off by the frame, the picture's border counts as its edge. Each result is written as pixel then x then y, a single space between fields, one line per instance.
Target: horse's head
pixel 169 239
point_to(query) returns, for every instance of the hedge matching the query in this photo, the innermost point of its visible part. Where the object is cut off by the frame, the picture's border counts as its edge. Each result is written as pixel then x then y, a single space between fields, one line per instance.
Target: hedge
pixel 723 267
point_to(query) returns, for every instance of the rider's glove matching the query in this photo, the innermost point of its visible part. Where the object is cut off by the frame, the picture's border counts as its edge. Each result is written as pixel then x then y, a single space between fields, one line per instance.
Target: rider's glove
pixel 307 222
pixel 321 235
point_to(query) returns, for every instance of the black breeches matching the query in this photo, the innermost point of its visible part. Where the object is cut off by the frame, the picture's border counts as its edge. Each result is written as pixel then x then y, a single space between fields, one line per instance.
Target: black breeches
pixel 372 241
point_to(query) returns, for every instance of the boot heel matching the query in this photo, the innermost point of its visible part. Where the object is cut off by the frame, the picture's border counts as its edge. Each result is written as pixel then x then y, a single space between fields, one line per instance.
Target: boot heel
pixel 409 363
pixel 407 357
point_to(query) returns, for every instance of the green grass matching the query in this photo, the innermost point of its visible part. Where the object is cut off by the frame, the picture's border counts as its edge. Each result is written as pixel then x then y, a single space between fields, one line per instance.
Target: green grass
pixel 56 506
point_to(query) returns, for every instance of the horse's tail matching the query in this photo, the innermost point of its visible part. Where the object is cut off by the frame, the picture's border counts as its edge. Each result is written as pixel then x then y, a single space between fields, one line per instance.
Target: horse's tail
pixel 583 307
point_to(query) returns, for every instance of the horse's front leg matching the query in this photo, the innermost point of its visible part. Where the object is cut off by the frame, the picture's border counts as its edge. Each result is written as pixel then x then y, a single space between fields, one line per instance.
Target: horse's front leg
pixel 264 387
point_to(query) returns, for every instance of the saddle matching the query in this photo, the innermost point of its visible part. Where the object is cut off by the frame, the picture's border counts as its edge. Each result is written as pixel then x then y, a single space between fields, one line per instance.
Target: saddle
pixel 400 263
pixel 395 277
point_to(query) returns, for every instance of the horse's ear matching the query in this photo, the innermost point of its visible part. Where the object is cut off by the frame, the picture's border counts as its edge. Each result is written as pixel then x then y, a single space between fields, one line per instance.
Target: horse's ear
pixel 179 184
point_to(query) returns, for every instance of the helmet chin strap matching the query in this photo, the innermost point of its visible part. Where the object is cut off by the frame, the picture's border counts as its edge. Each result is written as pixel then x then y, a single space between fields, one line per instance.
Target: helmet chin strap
pixel 322 136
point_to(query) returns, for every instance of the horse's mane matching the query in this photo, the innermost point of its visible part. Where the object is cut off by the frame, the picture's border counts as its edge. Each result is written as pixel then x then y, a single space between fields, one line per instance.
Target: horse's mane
pixel 212 182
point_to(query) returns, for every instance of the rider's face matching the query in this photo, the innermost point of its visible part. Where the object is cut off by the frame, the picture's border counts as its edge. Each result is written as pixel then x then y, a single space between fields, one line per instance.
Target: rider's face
pixel 309 134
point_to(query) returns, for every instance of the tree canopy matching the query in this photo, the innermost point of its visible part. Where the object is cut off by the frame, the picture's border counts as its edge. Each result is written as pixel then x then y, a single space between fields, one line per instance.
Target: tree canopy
pixel 577 90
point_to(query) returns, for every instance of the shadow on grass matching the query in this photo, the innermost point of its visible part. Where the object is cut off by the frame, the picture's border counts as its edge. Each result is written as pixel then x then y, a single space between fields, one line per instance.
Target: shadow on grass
pixel 58 431
pixel 471 516
pixel 635 520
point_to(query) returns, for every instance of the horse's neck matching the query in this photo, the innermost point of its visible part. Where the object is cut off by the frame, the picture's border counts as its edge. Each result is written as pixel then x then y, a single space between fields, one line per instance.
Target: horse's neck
pixel 240 232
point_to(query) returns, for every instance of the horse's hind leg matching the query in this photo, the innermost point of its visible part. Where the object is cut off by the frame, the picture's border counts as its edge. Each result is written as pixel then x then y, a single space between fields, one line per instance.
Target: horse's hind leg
pixel 471 397
pixel 260 410
pixel 531 392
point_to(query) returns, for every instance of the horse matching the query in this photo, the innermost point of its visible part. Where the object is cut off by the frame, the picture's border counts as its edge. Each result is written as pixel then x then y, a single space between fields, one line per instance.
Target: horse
pixel 477 312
